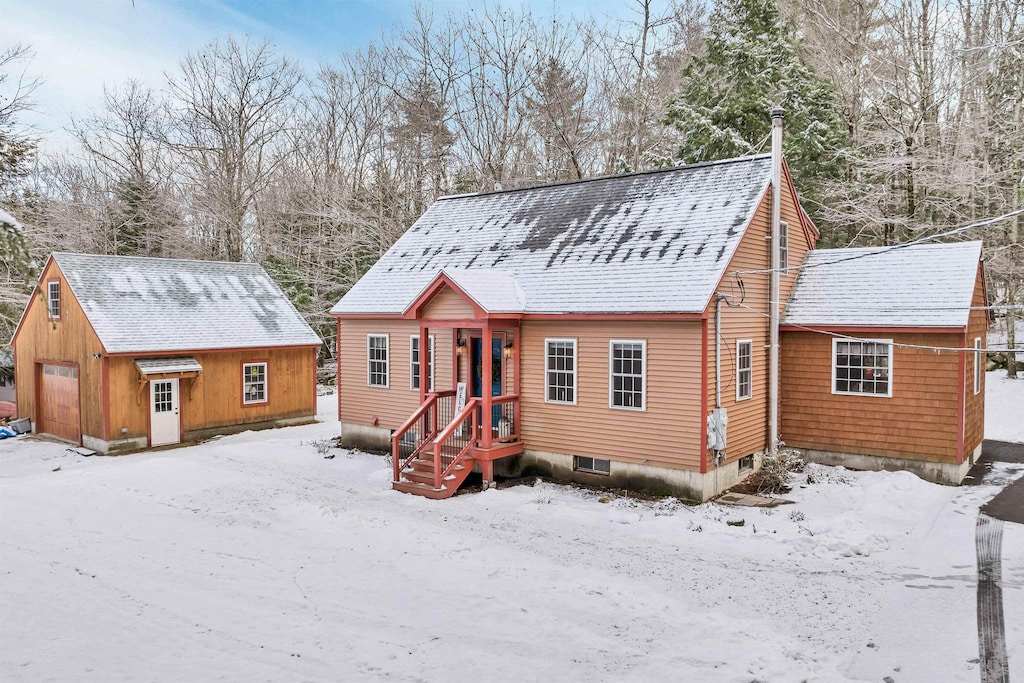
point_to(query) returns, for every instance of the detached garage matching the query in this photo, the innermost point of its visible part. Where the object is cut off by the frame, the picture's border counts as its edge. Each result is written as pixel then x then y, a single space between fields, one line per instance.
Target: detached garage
pixel 120 353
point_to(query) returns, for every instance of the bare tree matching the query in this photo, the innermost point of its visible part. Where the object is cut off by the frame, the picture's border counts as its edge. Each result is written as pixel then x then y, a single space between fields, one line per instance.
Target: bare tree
pixel 123 140
pixel 229 108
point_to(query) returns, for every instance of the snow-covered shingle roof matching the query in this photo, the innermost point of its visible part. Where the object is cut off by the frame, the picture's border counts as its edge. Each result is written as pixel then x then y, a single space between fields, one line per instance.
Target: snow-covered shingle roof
pixel 639 243
pixel 924 285
pixel 139 305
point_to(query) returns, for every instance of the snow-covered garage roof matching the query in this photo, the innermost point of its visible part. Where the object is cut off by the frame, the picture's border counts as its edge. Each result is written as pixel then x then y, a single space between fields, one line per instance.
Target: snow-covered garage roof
pixel 924 285
pixel 139 305
pixel 641 243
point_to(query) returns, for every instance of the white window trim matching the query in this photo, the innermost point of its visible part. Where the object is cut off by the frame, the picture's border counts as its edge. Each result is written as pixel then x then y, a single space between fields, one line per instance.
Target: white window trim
pixel 750 342
pixel 611 374
pixel 430 367
pixel 387 360
pixel 784 246
pixel 266 383
pixel 978 355
pixel 832 374
pixel 575 369
pixel 51 286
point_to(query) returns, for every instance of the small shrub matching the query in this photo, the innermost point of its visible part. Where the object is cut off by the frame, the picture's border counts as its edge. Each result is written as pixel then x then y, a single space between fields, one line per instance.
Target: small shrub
pixel 775 470
pixel 322 446
pixel 797 516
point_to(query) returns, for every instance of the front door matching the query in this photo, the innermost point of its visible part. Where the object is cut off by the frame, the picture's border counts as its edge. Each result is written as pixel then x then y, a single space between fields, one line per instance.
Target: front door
pixel 477 374
pixel 164 421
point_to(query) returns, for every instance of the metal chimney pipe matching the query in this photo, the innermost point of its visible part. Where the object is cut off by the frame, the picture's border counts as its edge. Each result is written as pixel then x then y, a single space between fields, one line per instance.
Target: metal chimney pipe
pixel 773 296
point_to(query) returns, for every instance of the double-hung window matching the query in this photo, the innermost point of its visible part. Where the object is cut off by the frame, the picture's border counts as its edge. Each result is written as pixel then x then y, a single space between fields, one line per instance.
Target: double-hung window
pixel 560 372
pixel 744 369
pixel 627 362
pixel 254 383
pixel 979 362
pixel 862 367
pixel 377 360
pixel 414 362
pixel 53 299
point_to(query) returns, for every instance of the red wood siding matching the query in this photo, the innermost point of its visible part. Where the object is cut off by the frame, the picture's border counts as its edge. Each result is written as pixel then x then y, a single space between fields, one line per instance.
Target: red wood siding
pixel 748 418
pixel 391 406
pixel 921 420
pixel 974 408
pixel 668 433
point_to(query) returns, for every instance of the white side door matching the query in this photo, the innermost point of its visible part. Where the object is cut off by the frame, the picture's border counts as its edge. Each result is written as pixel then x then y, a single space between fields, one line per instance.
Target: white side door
pixel 164 423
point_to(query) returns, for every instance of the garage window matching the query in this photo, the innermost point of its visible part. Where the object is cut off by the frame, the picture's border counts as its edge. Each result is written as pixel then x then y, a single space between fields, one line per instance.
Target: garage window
pixel 254 383
pixel 53 299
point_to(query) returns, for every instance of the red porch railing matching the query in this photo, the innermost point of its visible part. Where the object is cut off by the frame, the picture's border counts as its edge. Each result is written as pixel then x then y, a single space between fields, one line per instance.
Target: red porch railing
pixel 506 410
pixel 416 434
pixel 456 440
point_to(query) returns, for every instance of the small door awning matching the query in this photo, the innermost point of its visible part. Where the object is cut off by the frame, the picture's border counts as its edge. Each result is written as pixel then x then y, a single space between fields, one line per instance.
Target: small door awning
pixel 167 366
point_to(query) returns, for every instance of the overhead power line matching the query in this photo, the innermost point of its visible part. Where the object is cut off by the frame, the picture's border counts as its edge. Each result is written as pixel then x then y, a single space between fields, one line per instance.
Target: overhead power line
pixel 902 345
pixel 885 250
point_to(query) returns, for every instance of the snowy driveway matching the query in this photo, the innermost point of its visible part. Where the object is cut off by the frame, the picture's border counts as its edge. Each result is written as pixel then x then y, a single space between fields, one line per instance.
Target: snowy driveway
pixel 253 558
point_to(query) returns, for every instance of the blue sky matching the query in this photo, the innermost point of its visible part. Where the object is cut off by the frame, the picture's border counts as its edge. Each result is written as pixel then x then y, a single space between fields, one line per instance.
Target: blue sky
pixel 81 44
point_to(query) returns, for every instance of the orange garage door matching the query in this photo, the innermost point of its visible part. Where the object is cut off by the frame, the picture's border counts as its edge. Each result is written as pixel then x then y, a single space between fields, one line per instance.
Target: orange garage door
pixel 58 402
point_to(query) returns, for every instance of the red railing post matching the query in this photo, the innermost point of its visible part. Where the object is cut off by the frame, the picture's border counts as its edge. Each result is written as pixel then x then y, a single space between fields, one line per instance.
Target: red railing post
pixel 396 455
pixel 438 445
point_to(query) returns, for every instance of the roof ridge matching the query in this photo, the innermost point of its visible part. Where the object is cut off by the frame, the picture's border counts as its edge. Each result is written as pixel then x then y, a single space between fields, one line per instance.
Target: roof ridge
pixel 819 253
pixel 610 176
pixel 156 258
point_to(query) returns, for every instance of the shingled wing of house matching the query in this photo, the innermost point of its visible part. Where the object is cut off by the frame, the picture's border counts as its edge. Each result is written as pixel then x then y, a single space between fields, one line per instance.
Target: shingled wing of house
pixel 656 242
pixel 922 285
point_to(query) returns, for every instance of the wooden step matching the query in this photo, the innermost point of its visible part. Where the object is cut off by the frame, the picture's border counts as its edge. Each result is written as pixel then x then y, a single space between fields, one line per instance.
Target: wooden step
pixel 421 465
pixel 425 477
pixel 421 482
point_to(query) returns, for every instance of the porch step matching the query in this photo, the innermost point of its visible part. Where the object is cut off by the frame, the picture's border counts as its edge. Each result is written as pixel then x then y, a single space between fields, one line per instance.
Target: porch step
pixel 418 479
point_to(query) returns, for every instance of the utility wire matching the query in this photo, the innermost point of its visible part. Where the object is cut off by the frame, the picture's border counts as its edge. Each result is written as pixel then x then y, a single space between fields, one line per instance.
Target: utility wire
pixel 878 251
pixel 893 343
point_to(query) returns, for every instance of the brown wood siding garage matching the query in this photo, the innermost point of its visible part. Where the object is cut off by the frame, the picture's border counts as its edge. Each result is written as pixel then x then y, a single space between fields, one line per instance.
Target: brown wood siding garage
pixel 58 402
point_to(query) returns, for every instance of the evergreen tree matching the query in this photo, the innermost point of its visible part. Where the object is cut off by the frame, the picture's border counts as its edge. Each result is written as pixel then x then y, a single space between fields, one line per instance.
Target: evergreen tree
pixel 752 65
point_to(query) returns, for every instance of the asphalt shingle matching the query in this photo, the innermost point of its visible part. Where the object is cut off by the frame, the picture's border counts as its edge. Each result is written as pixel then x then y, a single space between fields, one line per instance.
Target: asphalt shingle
pixel 139 305
pixel 645 242
pixel 923 285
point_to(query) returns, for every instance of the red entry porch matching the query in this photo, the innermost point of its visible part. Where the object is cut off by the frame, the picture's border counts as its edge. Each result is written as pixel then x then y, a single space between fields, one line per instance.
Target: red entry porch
pixel 475 421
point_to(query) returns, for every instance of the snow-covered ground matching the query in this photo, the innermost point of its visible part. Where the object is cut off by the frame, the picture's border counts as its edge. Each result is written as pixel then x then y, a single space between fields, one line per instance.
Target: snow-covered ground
pixel 1004 406
pixel 252 557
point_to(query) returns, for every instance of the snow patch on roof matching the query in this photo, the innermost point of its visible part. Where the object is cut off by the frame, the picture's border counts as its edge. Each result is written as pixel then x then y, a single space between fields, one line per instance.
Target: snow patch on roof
pixel 139 305
pixel 924 285
pixel 496 291
pixel 641 243
pixel 163 366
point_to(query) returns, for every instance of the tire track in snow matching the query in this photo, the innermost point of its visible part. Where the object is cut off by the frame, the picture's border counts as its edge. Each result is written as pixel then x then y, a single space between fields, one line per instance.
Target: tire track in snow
pixel 988 541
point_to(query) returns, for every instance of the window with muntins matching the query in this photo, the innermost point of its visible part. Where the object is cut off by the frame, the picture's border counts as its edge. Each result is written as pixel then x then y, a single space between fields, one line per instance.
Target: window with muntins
pixel 53 299
pixel 254 383
pixel 377 360
pixel 414 362
pixel 862 367
pixel 627 374
pixel 560 381
pixel 744 369
pixel 162 397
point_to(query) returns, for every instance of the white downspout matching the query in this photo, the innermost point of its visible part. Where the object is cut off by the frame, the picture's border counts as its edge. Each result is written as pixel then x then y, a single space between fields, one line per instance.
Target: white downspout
pixel 773 296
